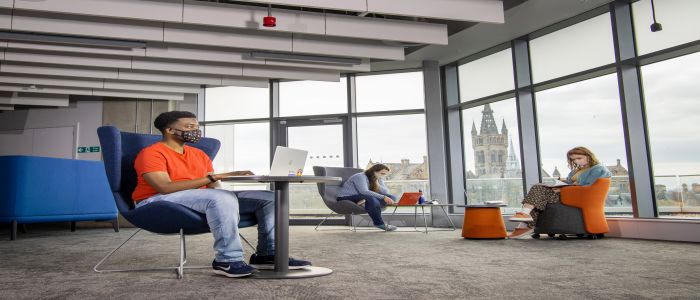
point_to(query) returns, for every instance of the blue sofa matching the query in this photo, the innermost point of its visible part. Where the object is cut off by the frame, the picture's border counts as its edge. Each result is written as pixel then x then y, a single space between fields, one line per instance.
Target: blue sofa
pixel 42 189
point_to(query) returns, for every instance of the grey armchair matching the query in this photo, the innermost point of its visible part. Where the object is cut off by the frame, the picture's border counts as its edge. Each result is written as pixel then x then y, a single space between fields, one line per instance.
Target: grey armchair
pixel 329 193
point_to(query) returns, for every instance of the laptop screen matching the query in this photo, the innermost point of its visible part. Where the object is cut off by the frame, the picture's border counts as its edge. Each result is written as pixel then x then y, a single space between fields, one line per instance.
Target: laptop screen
pixel 288 161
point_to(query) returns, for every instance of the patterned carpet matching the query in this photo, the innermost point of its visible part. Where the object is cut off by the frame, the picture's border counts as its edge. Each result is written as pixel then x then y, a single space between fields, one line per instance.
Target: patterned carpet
pixel 53 263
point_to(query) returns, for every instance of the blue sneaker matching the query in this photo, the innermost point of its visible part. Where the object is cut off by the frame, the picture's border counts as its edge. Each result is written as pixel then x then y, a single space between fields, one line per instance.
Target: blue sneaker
pixel 267 262
pixel 233 269
pixel 386 227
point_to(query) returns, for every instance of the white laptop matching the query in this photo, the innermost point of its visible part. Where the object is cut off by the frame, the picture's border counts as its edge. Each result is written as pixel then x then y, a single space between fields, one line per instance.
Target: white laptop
pixel 288 161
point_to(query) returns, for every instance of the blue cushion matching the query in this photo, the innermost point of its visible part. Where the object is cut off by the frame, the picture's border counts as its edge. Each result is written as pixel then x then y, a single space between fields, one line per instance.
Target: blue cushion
pixel 44 189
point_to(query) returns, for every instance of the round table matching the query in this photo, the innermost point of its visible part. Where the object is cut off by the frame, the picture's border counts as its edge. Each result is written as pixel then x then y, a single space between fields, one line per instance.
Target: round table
pixel 281 188
pixel 483 221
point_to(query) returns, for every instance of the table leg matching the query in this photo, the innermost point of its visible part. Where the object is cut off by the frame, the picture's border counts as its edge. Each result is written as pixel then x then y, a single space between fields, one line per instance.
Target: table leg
pixel 281 227
pixel 425 220
pixel 281 270
pixel 448 218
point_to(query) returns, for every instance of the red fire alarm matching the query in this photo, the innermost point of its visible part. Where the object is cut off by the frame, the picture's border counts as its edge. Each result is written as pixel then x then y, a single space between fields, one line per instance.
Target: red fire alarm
pixel 269 21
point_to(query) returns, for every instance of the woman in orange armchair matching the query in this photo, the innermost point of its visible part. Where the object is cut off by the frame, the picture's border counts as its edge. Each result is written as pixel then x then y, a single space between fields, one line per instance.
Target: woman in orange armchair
pixel 585 170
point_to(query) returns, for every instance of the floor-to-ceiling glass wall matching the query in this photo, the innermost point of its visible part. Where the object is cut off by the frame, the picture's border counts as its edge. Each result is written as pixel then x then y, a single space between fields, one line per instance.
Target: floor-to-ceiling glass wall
pixel 585 112
pixel 391 129
pixel 491 142
pixel 238 118
pixel 670 74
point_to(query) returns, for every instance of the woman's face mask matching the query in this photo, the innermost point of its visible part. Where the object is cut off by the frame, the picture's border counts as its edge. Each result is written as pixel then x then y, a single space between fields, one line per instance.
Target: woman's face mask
pixel 189 136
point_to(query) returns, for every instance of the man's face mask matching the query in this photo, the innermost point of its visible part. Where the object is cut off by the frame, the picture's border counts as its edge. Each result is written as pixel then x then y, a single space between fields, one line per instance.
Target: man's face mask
pixel 189 136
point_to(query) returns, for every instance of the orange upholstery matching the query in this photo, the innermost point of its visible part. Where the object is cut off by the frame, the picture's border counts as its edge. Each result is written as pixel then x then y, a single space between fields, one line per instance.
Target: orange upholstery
pixel 591 200
pixel 483 223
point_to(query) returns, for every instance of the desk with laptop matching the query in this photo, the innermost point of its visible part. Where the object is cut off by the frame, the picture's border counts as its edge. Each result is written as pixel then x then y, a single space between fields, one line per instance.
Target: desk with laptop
pixel 287 167
pixel 412 199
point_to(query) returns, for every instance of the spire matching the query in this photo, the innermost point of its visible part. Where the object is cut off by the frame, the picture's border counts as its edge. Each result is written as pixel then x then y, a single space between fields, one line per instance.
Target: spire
pixel 488 124
pixel 504 130
pixel 474 128
pixel 512 164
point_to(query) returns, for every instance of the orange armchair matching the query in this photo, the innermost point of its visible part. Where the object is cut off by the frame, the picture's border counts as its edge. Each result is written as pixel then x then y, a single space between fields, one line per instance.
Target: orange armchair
pixel 591 200
pixel 581 212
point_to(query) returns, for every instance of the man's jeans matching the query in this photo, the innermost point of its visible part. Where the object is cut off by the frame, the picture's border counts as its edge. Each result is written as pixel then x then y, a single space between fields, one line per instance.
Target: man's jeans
pixel 223 209
pixel 373 206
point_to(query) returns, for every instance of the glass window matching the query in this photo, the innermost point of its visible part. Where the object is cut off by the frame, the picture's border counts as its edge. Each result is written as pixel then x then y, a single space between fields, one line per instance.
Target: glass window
pixel 671 96
pixel 313 97
pixel 576 48
pixel 395 91
pixel 486 76
pixel 585 113
pixel 678 18
pixel 328 151
pixel 400 142
pixel 235 102
pixel 243 147
pixel 492 154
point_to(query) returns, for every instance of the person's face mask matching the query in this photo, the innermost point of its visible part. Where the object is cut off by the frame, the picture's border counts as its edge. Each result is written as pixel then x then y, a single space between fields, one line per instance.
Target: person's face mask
pixel 189 136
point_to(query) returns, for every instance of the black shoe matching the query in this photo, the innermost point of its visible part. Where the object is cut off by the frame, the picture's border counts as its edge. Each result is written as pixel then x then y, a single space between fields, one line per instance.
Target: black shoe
pixel 267 262
pixel 233 269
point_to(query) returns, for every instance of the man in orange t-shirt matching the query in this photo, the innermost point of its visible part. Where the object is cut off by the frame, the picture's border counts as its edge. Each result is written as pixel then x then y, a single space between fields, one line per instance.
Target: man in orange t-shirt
pixel 172 171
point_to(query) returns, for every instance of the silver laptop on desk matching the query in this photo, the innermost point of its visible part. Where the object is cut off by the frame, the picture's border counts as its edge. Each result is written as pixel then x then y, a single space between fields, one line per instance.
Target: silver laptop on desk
pixel 288 161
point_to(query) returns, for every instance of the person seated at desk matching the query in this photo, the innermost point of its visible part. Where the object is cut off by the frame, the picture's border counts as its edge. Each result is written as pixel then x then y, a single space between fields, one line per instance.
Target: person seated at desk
pixel 368 189
pixel 585 170
pixel 172 171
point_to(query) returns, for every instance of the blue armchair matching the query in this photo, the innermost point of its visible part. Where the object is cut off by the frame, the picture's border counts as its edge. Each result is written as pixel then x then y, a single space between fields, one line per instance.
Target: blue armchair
pixel 119 152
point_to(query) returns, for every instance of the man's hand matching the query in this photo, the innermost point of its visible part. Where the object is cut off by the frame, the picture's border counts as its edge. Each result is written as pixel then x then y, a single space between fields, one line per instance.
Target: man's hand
pixel 556 190
pixel 389 201
pixel 234 173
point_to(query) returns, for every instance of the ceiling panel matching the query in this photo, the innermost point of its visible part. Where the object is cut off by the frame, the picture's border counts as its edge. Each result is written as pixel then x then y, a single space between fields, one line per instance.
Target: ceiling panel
pixel 490 11
pixel 158 10
pixel 8 67
pixel 22 98
pixel 87 26
pixel 462 10
pixel 250 17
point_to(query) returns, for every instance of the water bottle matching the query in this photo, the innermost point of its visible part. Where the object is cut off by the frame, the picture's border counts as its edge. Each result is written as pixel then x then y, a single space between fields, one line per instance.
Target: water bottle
pixel 421 199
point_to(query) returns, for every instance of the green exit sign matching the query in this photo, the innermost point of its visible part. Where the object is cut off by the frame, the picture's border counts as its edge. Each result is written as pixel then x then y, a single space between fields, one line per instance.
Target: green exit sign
pixel 89 149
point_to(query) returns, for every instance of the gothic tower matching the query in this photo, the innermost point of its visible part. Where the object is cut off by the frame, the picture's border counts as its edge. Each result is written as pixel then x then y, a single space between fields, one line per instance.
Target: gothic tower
pixel 490 146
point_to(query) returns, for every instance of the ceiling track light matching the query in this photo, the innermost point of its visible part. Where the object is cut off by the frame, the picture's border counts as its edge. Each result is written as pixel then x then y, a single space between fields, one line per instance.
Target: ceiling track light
pixel 656 26
pixel 70 40
pixel 306 58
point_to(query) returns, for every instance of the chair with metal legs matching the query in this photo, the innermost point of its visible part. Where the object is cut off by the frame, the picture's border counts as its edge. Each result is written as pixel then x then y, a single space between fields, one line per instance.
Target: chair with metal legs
pixel 119 152
pixel 329 192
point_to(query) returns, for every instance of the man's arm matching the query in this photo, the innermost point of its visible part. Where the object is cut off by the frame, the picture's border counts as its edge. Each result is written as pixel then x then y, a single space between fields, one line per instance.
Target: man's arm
pixel 160 181
pixel 217 185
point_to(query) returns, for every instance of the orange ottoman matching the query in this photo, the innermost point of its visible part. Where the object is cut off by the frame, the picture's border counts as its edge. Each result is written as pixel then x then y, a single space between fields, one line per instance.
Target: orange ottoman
pixel 483 222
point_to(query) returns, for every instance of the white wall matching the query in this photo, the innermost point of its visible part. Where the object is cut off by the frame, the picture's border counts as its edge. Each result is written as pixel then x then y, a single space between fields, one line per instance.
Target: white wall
pixel 86 112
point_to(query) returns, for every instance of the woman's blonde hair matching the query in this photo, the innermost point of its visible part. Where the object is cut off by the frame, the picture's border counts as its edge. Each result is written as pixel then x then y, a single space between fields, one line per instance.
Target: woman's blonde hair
pixel 580 150
pixel 373 180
